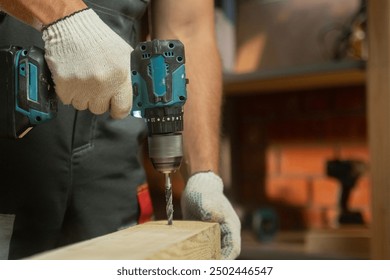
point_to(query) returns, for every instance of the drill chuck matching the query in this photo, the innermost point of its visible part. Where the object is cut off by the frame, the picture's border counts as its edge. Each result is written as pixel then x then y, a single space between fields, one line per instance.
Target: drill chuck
pixel 165 139
pixel 166 151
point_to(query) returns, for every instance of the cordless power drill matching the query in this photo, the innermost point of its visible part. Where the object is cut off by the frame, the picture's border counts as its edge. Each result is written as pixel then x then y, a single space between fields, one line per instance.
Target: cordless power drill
pixel 27 96
pixel 159 93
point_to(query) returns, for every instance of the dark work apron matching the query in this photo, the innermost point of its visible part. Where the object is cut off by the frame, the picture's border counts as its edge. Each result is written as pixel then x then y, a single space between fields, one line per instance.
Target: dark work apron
pixel 75 177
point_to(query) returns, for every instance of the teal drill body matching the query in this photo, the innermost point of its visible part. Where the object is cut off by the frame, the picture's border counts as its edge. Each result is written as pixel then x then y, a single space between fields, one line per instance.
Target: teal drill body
pixel 158 76
pixel 26 90
pixel 159 94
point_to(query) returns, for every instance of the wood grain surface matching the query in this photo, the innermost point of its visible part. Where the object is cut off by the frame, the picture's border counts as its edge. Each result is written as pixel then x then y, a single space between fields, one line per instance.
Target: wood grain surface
pixel 154 240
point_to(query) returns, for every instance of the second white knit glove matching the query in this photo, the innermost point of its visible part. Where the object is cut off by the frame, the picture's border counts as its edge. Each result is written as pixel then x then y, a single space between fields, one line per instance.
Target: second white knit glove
pixel 90 64
pixel 203 200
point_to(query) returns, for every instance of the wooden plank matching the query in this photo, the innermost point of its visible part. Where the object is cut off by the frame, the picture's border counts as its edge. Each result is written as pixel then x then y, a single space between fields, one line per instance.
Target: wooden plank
pixel 378 99
pixel 150 241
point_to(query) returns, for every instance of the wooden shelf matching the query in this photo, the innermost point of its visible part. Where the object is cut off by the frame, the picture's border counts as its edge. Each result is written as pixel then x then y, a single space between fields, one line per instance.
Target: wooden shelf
pixel 327 75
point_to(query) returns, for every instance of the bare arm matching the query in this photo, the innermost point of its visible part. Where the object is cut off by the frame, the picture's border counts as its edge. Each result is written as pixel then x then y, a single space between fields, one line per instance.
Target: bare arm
pixel 192 22
pixel 41 12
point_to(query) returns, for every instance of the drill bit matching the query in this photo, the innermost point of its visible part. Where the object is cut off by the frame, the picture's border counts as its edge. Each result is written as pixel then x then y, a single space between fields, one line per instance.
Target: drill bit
pixel 168 198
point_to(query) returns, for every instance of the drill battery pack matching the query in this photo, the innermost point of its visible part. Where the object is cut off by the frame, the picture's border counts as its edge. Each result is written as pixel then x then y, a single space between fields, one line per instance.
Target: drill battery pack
pixel 27 96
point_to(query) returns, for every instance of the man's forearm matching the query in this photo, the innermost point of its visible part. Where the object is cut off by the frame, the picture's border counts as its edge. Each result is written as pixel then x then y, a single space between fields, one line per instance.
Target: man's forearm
pixel 38 13
pixel 202 110
pixel 192 22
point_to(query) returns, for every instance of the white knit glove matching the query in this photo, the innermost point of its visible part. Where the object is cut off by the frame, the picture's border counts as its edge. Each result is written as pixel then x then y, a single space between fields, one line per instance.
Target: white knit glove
pixel 203 200
pixel 90 64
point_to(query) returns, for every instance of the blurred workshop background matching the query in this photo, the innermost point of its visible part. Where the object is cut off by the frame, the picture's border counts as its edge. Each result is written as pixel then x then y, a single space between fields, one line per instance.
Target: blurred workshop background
pixel 295 154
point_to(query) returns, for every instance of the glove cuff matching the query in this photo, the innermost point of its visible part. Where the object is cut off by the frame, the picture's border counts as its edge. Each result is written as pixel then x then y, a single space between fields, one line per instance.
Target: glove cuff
pixel 84 27
pixel 205 180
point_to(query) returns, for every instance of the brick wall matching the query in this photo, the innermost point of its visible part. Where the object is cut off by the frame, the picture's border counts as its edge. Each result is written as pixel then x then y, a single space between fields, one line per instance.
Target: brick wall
pixel 280 145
